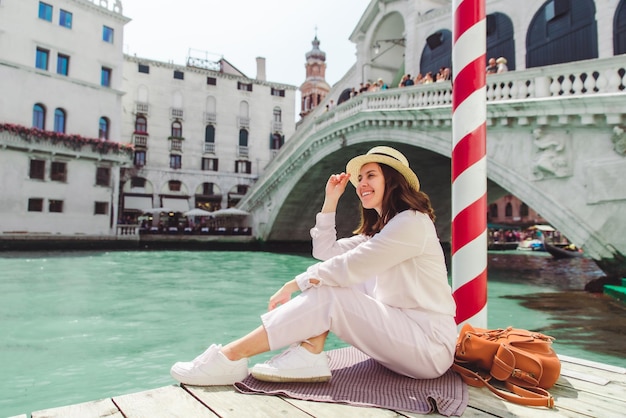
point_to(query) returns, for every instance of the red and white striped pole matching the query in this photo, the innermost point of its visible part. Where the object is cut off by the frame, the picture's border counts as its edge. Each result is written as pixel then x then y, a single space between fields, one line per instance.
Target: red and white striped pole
pixel 469 163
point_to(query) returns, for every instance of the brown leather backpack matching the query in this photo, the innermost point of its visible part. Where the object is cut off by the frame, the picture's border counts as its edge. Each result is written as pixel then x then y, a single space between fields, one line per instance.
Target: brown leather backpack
pixel 523 360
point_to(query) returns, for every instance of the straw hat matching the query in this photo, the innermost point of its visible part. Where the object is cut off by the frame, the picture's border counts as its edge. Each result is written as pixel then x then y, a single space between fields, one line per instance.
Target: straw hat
pixel 501 60
pixel 383 155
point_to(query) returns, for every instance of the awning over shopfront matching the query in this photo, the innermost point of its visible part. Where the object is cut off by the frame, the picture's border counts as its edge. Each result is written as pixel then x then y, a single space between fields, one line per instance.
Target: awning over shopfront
pixel 137 202
pixel 176 205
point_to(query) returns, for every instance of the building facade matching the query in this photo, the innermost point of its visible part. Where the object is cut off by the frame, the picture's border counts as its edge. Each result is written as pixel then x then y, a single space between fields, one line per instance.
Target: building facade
pixel 60 127
pixel 202 133
pixel 90 138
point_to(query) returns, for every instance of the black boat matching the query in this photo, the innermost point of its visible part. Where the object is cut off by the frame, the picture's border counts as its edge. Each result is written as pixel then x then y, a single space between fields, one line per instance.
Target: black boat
pixel 568 251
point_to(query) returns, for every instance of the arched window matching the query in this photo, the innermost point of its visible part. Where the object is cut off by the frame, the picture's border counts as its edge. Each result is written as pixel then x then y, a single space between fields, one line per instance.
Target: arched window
pixel 493 210
pixel 103 128
pixel 59 120
pixel 508 210
pixel 500 41
pixel 141 124
pixel 437 53
pixel 523 210
pixel 243 138
pixel 209 134
pixel 39 116
pixel 562 31
pixel 619 29
pixel 177 129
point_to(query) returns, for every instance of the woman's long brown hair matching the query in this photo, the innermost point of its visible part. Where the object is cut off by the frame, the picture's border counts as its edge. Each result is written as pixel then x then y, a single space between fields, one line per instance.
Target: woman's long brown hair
pixel 399 196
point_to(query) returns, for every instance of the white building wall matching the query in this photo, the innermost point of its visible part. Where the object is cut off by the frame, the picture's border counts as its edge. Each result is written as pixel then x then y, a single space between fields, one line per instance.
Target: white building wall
pixel 161 91
pixel 84 101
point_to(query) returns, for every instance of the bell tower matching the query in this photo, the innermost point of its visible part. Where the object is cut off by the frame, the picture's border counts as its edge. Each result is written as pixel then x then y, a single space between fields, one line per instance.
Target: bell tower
pixel 315 87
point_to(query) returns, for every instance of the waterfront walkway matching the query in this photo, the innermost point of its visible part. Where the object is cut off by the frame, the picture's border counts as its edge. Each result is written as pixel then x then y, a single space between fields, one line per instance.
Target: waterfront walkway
pixel 585 389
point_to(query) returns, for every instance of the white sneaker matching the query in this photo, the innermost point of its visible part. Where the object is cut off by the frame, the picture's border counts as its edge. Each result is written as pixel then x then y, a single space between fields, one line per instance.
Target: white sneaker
pixel 296 364
pixel 210 368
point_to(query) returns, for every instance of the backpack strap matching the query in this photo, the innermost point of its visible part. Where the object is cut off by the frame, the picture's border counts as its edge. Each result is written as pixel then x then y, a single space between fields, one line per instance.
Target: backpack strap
pixel 522 396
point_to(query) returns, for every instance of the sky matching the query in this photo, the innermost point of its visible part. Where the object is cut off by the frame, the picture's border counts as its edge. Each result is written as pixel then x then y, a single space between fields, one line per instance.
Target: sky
pixel 281 31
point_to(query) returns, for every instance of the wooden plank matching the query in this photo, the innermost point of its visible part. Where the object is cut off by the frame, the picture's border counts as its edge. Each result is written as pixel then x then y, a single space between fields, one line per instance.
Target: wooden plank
pixel 101 408
pixel 333 410
pixel 595 372
pixel 225 401
pixel 482 399
pixel 592 364
pixel 169 401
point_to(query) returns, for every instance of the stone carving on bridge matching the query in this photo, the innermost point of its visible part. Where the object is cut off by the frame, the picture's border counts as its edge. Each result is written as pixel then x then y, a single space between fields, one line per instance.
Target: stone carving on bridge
pixel 619 140
pixel 551 157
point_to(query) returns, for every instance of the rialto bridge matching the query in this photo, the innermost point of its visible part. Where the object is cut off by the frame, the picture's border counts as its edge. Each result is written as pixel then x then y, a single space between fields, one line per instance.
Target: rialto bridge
pixel 556 138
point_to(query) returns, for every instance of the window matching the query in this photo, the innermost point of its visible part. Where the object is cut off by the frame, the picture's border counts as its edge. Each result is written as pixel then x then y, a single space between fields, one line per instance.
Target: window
pixel 211 81
pixel 179 75
pixel 65 19
pixel 105 77
pixel 55 206
pixel 209 164
pixel 103 176
pixel 107 34
pixel 37 169
pixel 41 59
pixel 39 116
pixel 177 129
pixel 59 120
pixel 63 64
pixel 278 92
pixel 493 210
pixel 140 159
pixel 58 171
pixel 209 134
pixel 137 183
pixel 101 208
pixel 143 68
pixel 176 161
pixel 174 185
pixel 243 166
pixel 243 138
pixel 103 128
pixel 35 204
pixel 523 210
pixel 276 141
pixel 277 114
pixel 244 86
pixel 45 11
pixel 208 189
pixel 141 124
pixel 508 210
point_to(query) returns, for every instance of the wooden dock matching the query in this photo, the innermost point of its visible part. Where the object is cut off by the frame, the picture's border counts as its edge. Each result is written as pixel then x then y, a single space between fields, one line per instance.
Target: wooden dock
pixel 585 389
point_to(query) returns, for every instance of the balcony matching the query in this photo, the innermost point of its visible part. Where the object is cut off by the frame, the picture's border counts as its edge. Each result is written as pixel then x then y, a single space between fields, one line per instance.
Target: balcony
pixel 141 107
pixel 277 126
pixel 210 117
pixel 140 140
pixel 176 113
pixel 209 147
pixel 243 122
pixel 176 144
pixel 243 151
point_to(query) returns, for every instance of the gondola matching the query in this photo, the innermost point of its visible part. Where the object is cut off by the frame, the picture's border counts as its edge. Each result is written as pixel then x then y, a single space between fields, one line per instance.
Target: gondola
pixel 563 252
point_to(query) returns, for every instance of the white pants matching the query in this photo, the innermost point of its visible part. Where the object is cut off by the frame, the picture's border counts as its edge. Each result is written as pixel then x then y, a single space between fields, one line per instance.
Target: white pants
pixel 410 342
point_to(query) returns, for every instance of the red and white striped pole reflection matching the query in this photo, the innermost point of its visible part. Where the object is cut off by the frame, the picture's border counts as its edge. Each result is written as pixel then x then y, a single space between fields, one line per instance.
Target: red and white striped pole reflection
pixel 469 163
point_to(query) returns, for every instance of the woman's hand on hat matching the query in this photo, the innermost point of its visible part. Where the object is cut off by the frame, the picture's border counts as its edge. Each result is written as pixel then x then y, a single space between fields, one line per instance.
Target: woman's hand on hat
pixel 335 186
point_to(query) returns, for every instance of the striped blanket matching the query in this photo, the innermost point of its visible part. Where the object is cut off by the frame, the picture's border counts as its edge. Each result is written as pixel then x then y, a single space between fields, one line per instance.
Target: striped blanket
pixel 360 381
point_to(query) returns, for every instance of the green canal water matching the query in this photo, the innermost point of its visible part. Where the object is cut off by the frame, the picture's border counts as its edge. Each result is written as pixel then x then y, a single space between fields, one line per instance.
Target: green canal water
pixel 81 326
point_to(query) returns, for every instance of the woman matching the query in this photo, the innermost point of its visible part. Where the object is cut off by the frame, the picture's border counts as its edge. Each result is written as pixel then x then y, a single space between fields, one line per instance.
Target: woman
pixel 384 290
